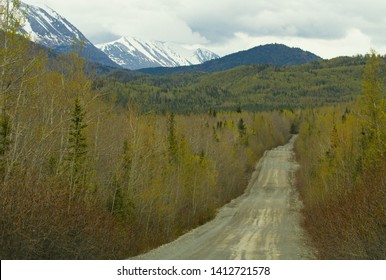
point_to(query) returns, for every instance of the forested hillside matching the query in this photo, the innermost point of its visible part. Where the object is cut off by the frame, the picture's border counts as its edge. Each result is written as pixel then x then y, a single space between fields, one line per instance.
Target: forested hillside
pixel 84 178
pixel 271 54
pixel 253 88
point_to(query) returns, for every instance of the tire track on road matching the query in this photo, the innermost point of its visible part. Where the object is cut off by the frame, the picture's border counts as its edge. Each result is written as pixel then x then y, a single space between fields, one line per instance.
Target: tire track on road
pixel 263 223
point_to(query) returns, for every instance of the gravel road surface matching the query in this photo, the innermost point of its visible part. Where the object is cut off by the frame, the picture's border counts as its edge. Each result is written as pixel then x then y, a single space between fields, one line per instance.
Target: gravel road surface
pixel 263 223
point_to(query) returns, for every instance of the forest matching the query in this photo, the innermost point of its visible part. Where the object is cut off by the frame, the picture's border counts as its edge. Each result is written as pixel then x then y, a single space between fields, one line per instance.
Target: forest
pixel 107 166
pixel 252 87
pixel 342 179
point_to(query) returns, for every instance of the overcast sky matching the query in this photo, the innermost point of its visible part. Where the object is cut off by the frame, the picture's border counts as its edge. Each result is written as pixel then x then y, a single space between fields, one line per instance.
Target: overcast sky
pixel 328 28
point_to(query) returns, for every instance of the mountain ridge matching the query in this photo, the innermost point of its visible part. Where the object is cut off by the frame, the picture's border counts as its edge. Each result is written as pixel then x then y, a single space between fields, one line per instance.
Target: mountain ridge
pixel 48 28
pixel 133 53
pixel 270 54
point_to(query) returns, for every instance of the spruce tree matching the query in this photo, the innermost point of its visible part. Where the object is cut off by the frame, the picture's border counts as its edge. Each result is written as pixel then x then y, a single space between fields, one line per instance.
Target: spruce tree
pixel 122 203
pixel 242 128
pixel 172 138
pixel 77 145
pixel 5 131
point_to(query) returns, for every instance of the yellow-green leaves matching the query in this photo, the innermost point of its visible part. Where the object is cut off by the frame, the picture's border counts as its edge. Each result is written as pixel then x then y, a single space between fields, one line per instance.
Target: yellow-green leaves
pixel 342 177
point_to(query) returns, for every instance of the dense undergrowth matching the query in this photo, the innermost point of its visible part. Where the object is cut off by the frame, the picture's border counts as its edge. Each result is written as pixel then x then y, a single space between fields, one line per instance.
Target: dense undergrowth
pixel 342 179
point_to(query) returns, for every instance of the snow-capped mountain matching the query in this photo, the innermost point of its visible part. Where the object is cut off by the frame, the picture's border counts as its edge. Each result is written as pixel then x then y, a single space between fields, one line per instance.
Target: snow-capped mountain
pixel 204 55
pixel 133 53
pixel 47 28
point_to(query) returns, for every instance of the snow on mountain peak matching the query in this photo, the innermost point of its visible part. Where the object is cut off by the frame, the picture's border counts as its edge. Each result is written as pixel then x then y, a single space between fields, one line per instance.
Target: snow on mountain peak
pixel 48 28
pixel 134 53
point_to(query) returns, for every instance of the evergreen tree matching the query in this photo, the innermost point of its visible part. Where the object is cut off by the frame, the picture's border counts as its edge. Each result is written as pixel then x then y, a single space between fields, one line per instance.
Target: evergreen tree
pixel 242 128
pixel 5 131
pixel 77 145
pixel 172 138
pixel 122 203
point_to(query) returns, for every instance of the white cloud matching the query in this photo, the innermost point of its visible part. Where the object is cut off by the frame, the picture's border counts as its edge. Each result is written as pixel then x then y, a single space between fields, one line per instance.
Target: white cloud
pixel 326 48
pixel 328 28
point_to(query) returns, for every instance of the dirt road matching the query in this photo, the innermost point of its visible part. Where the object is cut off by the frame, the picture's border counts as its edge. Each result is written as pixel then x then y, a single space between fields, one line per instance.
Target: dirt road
pixel 264 223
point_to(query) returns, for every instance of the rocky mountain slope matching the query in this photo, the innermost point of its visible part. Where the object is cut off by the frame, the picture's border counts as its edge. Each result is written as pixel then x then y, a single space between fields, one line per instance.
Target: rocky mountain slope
pixel 47 28
pixel 134 53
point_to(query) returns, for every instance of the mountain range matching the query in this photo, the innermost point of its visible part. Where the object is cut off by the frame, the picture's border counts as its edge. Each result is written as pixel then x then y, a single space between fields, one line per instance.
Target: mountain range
pixel 270 54
pixel 47 28
pixel 133 53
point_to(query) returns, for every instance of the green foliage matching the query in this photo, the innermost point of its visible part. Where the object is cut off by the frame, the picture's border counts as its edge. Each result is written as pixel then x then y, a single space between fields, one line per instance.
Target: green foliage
pixel 242 131
pixel 172 138
pixel 372 108
pixel 77 164
pixel 122 204
pixel 70 191
pixel 5 141
pixel 253 87
pixel 5 131
pixel 342 177
pixel 77 148
pixel 170 176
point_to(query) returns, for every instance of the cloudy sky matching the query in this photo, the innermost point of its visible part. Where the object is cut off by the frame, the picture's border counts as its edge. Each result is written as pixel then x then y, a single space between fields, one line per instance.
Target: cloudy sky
pixel 328 28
